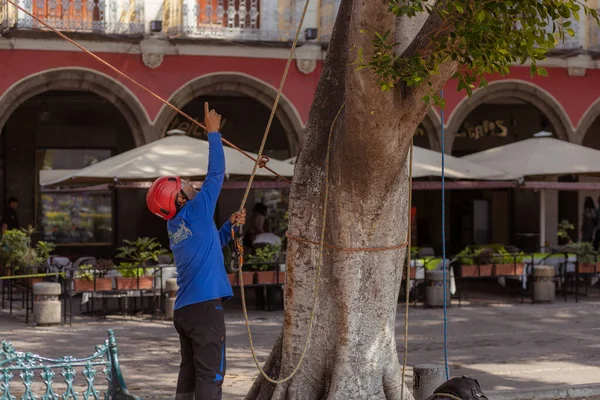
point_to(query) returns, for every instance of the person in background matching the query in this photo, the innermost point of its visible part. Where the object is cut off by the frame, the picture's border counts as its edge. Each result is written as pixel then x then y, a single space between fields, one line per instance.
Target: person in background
pixel 589 221
pixel 596 242
pixel 258 223
pixel 10 217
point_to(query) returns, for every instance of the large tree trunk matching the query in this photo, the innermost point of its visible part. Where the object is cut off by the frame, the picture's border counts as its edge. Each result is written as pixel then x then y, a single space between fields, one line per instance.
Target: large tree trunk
pixel 352 352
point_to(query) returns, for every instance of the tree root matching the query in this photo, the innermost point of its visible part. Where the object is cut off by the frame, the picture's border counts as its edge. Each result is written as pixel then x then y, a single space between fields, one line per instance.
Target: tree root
pixel 392 385
pixel 263 389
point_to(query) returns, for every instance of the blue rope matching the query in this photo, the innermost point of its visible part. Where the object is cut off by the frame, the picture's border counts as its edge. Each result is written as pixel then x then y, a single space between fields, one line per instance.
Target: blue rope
pixel 444 264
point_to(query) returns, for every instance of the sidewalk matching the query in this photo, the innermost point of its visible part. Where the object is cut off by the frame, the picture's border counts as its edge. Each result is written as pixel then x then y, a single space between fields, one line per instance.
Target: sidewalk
pixel 509 347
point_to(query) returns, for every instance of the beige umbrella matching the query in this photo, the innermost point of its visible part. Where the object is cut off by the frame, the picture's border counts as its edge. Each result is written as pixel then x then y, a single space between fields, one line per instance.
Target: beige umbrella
pixel 172 155
pixel 429 163
pixel 539 156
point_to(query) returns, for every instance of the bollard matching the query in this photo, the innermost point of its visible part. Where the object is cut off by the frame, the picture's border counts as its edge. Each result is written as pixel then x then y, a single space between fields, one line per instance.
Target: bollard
pixel 544 289
pixel 427 378
pixel 47 308
pixel 434 288
pixel 172 288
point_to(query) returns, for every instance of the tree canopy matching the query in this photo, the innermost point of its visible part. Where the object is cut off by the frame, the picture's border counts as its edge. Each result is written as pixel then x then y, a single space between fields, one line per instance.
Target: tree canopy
pixel 482 36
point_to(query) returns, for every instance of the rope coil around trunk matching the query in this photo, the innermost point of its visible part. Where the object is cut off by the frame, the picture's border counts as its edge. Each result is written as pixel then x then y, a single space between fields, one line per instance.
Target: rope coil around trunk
pixel 347 249
pixel 174 108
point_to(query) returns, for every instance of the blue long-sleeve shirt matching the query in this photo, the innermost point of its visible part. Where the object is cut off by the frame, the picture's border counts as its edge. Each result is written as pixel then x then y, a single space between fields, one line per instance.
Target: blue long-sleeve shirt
pixel 195 241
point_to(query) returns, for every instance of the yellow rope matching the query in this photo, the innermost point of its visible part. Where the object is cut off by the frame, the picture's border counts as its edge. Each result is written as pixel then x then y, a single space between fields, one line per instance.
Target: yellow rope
pixel 408 241
pixel 11 277
pixel 317 278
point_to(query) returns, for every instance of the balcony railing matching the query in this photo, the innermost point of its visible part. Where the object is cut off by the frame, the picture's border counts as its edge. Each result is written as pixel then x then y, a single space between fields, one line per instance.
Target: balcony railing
pixel 259 20
pixel 113 17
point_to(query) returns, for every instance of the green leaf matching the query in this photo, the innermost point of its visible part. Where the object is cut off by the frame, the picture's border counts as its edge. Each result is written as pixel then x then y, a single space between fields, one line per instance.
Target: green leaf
pixel 481 16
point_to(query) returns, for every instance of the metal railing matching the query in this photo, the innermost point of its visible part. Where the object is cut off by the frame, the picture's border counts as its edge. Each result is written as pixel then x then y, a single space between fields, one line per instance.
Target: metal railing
pixel 248 20
pixel 111 17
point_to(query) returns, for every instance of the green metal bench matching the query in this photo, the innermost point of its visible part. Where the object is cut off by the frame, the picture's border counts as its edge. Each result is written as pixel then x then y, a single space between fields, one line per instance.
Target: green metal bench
pixel 27 365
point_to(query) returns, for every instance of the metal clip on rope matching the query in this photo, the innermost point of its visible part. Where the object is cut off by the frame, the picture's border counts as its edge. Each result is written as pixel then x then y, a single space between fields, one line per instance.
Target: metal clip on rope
pixel 238 249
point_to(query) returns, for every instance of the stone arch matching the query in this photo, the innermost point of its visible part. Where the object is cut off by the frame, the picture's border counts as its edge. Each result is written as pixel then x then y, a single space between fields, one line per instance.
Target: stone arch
pixel 79 79
pixel 521 90
pixel 238 83
pixel 587 120
pixel 433 127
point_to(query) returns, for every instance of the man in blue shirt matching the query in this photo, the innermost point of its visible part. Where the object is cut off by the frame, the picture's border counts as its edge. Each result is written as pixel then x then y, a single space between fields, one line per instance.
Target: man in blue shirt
pixel 201 276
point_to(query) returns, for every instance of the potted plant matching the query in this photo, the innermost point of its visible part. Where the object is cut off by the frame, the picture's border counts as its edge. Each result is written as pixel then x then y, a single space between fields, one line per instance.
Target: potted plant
pixel 132 277
pixel 261 260
pixel 508 264
pixel 473 262
pixel 18 254
pixel 136 255
pixel 586 256
pixel 90 279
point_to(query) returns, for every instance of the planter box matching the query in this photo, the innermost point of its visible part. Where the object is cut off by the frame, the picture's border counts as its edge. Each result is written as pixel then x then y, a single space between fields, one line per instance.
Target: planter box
pixel 587 268
pixel 270 277
pixel 233 279
pixel 413 272
pixel 145 282
pixel 102 284
pixel 486 269
pixel 248 278
pixel 467 271
pixel 509 269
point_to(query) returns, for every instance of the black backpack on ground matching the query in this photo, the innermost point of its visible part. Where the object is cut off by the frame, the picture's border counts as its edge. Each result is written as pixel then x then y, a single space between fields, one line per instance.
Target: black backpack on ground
pixel 463 388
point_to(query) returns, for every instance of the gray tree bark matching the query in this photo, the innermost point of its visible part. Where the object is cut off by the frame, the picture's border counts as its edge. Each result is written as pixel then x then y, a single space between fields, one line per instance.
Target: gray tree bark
pixel 352 352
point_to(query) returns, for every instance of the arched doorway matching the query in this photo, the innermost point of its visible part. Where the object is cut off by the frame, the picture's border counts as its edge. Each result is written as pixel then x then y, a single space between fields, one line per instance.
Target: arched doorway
pixel 508 112
pixel 245 103
pixel 589 133
pixel 64 130
pixel 426 211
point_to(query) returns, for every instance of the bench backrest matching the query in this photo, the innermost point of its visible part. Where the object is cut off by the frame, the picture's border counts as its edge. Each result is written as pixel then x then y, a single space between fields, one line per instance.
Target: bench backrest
pixel 28 366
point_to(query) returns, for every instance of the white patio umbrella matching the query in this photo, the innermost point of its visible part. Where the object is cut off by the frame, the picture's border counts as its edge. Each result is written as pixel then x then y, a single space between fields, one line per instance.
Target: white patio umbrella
pixel 172 155
pixel 429 163
pixel 541 155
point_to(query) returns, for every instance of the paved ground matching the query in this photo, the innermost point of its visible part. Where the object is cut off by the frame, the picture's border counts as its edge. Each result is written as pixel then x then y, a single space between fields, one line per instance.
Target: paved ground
pixel 505 346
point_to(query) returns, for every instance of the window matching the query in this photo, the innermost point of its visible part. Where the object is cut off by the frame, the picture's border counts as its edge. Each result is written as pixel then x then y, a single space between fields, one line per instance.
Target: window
pixel 229 13
pixel 68 14
pixel 68 214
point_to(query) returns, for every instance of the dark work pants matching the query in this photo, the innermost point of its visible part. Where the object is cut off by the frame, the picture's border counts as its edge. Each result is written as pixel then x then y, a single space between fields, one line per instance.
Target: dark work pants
pixel 201 329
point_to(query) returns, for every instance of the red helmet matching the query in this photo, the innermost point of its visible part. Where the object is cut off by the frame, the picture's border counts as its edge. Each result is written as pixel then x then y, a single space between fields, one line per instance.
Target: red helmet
pixel 161 196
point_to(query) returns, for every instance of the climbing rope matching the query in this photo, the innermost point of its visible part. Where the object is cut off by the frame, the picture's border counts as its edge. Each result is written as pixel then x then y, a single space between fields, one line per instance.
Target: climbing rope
pixel 444 263
pixel 261 161
pixel 408 258
pixel 177 110
pixel 317 277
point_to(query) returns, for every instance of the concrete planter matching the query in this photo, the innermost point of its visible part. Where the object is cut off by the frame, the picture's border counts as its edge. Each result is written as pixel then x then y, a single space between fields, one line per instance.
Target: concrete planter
pixel 130 283
pixel 83 285
pixel 47 308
